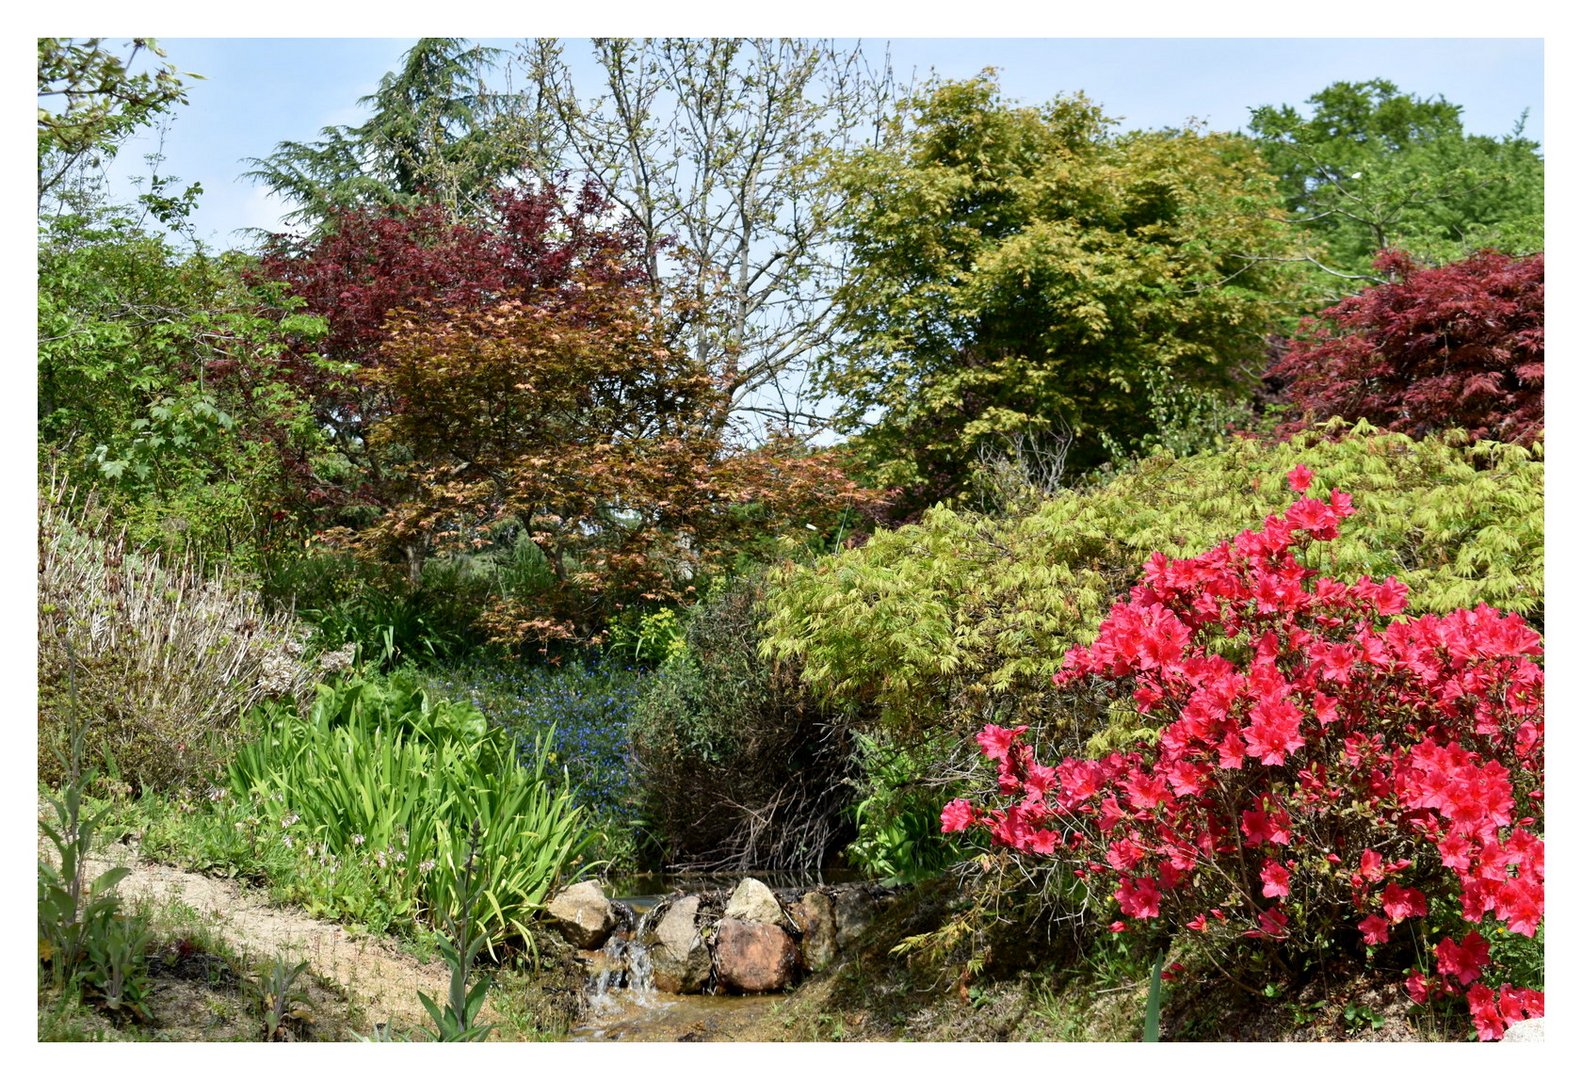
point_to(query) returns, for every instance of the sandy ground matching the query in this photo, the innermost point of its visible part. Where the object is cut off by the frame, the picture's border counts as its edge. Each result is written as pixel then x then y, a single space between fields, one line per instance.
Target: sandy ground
pixel 379 979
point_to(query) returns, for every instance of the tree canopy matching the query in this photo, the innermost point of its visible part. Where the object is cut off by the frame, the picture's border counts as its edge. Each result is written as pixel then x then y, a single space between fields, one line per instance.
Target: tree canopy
pixel 1020 271
pixel 1455 346
pixel 1373 168
pixel 716 148
pixel 492 386
pixel 90 98
pixel 436 134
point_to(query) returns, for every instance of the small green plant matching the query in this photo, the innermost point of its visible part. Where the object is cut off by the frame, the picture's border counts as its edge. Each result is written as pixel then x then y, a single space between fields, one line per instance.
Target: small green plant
pixel 1358 1017
pixel 897 817
pixel 458 1021
pixel 650 638
pixel 377 783
pixel 1151 1011
pixel 1302 1014
pixel 86 942
pixel 280 998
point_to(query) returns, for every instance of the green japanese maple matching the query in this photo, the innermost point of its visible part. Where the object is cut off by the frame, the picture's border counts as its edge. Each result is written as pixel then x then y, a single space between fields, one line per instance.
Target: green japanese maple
pixel 1020 271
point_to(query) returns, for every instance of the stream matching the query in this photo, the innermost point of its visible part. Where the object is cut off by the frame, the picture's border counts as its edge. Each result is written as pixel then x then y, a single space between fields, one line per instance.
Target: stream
pixel 623 1003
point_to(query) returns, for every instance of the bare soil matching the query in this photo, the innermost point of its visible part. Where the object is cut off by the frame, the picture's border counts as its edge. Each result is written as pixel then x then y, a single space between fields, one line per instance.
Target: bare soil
pixel 372 977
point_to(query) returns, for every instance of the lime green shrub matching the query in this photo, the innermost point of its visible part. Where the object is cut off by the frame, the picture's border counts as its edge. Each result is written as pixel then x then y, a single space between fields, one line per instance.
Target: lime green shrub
pixel 962 618
pixel 165 658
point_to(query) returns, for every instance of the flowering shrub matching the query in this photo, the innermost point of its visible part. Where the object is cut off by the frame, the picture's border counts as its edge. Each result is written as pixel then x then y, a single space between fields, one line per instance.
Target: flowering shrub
pixel 1325 768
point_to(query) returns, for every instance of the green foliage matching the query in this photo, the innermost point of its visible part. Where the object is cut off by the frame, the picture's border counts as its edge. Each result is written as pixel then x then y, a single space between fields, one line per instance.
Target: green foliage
pixel 1022 272
pixel 1372 167
pixel 388 618
pixel 649 637
pixel 897 817
pixel 278 996
pixel 434 133
pixel 963 618
pixel 458 1022
pixel 167 658
pixel 96 99
pixel 1151 1012
pixel 739 769
pixel 86 942
pixel 131 333
pixel 381 774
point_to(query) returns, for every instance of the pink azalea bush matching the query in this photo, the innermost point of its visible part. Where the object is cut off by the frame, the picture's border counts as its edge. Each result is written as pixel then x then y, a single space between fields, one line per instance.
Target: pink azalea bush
pixel 1324 768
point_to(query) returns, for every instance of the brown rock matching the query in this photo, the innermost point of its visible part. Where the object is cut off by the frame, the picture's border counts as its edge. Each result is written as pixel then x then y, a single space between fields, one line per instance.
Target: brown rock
pixel 583 915
pixel 815 917
pixel 754 957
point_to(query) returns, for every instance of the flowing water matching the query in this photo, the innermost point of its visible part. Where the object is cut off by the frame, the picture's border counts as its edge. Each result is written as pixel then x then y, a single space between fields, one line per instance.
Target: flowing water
pixel 623 1003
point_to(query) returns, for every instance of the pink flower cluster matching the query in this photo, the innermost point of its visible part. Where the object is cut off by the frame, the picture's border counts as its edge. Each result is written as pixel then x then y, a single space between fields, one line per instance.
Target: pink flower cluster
pixel 1315 744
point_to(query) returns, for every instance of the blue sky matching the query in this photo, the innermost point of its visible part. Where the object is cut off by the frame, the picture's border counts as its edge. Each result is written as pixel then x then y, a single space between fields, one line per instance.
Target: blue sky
pixel 260 91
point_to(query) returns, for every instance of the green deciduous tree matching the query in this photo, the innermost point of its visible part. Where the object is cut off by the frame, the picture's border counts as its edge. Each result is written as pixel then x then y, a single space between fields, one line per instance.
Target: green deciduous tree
pixel 1373 167
pixel 1030 273
pixel 90 99
pixel 130 331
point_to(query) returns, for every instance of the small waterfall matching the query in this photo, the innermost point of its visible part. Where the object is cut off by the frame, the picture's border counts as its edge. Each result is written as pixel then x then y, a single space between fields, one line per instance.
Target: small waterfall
pixel 623 965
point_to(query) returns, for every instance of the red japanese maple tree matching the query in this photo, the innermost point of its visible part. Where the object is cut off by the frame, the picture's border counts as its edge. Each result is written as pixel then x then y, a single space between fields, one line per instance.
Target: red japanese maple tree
pixel 520 379
pixel 1456 346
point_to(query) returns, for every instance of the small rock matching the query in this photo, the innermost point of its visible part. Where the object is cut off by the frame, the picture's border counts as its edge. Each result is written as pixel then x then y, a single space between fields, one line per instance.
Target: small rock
pixel 1526 1031
pixel 815 916
pixel 853 913
pixel 680 958
pixel 754 957
pixel 754 902
pixel 583 915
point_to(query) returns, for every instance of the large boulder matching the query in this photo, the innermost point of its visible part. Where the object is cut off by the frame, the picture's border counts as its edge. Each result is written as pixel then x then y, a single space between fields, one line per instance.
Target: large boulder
pixel 814 915
pixel 679 956
pixel 754 957
pixel 583 915
pixel 754 902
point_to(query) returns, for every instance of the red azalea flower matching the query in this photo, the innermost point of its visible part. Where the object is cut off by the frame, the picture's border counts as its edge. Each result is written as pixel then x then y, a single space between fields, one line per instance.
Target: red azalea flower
pixel 1485 1013
pixel 996 741
pixel 1276 879
pixel 1400 903
pixel 1465 961
pixel 957 816
pixel 1375 931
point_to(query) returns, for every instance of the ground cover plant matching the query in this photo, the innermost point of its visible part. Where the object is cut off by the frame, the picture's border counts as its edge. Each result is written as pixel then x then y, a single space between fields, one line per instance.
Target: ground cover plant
pixel 362 808
pixel 1325 774
pixel 581 711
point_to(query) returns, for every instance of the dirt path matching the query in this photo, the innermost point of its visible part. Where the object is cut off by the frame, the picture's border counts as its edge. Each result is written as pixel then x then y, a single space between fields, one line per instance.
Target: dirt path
pixel 379 979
